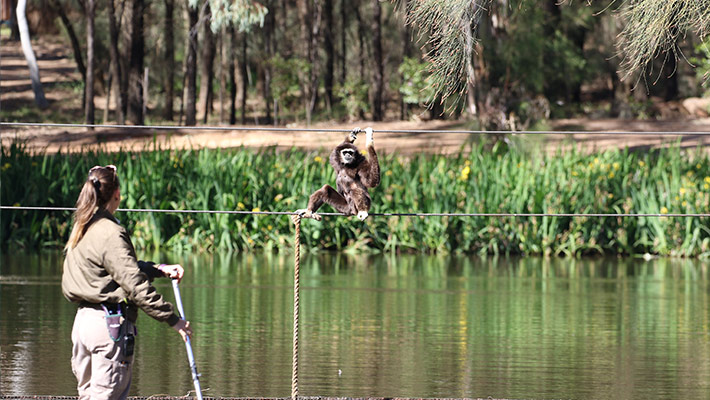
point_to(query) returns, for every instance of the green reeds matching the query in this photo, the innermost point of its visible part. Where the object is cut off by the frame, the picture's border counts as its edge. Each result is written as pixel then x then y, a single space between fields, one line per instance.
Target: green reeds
pixel 478 180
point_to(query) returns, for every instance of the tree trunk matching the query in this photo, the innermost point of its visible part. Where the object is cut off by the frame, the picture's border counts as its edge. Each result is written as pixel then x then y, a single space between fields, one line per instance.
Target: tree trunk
pixel 406 52
pixel 378 71
pixel 40 100
pixel 135 69
pixel 116 64
pixel 169 60
pixel 284 44
pixel 343 41
pixel 14 25
pixel 73 38
pixel 361 49
pixel 107 103
pixel 146 81
pixel 220 47
pixel 124 58
pixel 90 48
pixel 310 23
pixel 245 79
pixel 232 77
pixel 269 51
pixel 191 70
pixel 207 73
pixel 76 46
pixel 329 53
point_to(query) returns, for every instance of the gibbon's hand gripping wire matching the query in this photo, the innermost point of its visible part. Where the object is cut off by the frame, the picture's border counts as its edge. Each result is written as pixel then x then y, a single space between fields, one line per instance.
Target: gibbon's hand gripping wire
pixel 188 346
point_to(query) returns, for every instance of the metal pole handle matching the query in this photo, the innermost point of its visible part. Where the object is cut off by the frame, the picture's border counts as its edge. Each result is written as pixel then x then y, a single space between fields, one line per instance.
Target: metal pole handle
pixel 188 346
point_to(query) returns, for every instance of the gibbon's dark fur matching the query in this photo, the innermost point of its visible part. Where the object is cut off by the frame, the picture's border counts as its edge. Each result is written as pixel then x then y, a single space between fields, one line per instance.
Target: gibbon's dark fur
pixel 352 180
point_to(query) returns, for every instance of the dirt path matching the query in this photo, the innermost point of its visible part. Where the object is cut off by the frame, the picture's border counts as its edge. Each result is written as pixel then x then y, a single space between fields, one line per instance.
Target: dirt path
pixel 59 77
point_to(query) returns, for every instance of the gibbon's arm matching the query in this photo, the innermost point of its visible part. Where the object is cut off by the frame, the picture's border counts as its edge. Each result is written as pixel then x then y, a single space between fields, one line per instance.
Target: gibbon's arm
pixel 371 174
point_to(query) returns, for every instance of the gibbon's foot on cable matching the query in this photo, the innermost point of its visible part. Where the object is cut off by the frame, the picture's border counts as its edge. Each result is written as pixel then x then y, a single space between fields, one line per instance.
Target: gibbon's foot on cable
pixel 304 213
pixel 362 215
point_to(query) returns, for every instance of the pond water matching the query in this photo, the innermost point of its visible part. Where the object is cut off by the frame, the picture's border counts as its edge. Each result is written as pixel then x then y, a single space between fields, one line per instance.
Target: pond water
pixel 386 326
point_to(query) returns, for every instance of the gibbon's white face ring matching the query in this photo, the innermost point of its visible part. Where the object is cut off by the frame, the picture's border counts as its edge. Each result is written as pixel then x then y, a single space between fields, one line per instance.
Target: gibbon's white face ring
pixel 347 156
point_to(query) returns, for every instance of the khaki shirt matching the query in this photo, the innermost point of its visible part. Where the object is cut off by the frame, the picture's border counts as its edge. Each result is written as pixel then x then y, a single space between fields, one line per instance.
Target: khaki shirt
pixel 103 268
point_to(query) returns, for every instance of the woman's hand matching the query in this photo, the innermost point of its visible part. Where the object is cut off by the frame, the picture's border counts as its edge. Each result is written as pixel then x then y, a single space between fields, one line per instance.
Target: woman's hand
pixel 183 327
pixel 172 271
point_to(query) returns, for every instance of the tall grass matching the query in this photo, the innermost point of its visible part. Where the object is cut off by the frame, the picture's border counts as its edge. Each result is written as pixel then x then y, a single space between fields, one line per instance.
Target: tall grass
pixel 479 179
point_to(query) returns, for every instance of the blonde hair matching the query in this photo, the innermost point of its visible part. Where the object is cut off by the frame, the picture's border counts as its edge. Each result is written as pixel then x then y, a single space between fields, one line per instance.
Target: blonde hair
pixel 98 188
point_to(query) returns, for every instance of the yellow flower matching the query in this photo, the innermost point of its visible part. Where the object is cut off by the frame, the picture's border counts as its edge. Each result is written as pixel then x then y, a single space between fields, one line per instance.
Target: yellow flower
pixel 616 166
pixel 596 160
pixel 706 186
pixel 464 172
pixel 664 210
pixel 278 198
pixel 240 206
pixel 388 173
pixel 255 209
pixel 707 179
pixel 468 162
pixel 574 173
pixel 611 175
pixel 269 227
pixel 318 159
pixel 642 164
pixel 684 203
pixel 682 191
pixel 6 166
pixel 698 166
pixel 610 196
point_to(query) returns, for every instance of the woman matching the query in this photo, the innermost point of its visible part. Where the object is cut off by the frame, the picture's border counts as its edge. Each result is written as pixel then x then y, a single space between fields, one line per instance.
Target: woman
pixel 102 275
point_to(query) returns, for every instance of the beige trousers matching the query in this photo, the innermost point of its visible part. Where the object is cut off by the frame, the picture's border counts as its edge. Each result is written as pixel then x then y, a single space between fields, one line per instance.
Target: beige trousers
pixel 102 372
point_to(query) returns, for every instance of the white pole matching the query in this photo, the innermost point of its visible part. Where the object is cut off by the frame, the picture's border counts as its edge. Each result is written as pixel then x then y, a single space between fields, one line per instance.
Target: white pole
pixel 190 356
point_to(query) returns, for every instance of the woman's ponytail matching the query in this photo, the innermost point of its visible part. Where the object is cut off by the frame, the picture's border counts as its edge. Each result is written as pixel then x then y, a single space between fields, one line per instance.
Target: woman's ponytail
pixel 98 188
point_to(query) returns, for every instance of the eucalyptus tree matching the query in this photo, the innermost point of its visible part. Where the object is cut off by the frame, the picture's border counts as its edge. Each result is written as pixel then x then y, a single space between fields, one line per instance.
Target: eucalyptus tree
pixel 451 26
pixel 29 53
pixel 240 14
pixel 654 28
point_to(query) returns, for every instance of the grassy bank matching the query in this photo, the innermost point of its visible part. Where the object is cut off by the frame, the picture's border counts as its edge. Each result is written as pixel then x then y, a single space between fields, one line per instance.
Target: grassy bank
pixel 480 180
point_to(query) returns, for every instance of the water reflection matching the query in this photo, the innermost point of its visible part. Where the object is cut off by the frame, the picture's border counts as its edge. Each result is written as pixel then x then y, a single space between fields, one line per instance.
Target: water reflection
pixel 391 325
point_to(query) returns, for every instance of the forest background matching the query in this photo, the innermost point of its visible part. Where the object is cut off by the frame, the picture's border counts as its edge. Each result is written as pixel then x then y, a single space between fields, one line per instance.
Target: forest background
pixel 492 65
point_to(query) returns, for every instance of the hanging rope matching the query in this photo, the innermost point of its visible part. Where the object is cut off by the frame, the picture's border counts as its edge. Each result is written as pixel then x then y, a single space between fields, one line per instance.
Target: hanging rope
pixel 296 299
